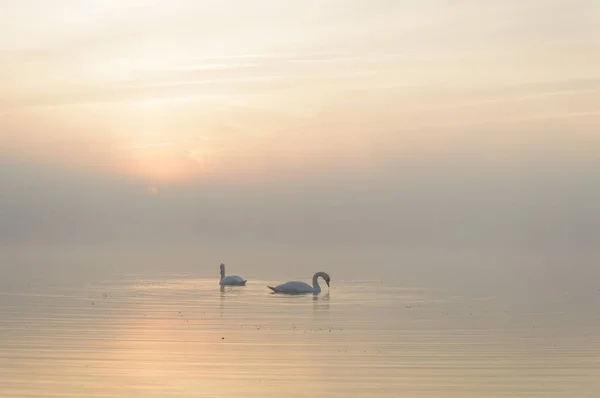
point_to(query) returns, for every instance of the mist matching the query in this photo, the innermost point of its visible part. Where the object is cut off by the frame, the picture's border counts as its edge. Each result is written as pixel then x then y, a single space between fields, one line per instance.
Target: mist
pixel 432 144
pixel 442 222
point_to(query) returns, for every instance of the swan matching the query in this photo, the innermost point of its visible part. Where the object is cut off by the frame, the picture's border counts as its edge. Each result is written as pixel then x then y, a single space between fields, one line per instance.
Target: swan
pixel 301 287
pixel 232 280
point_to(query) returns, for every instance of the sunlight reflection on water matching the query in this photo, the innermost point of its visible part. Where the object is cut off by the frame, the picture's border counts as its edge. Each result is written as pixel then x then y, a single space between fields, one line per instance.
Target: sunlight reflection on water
pixel 184 337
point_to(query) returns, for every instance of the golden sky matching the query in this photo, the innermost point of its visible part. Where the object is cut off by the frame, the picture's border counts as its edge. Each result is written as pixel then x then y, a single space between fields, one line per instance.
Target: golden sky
pixel 166 91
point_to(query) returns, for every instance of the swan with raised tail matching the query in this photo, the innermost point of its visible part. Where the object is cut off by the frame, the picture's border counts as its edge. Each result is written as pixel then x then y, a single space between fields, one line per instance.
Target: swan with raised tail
pixel 232 280
pixel 301 287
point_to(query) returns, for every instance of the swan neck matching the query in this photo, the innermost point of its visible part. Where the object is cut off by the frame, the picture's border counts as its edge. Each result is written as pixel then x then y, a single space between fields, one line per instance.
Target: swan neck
pixel 316 286
pixel 222 272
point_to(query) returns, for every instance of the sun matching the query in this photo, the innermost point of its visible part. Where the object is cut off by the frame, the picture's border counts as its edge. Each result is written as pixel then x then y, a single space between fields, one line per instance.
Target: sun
pixel 159 163
pixel 150 148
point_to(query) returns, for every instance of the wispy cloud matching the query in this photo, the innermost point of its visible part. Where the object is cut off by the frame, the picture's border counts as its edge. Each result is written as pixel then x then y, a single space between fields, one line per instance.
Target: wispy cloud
pixel 205 84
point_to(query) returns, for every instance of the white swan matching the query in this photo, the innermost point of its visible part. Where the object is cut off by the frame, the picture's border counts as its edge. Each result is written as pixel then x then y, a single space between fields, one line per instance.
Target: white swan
pixel 301 287
pixel 232 280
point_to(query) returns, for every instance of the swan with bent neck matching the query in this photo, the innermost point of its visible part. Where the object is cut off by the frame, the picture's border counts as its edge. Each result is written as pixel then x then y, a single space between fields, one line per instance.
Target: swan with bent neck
pixel 232 280
pixel 301 287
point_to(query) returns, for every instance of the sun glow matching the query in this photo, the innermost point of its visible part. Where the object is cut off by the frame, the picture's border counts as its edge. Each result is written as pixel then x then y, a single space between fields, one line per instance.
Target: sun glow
pixel 161 163
pixel 149 149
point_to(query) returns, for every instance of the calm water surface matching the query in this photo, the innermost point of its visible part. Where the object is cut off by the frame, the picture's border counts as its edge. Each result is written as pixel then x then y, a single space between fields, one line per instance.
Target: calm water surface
pixel 175 336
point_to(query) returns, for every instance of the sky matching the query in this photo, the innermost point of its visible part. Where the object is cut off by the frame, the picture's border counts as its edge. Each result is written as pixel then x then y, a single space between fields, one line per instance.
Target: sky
pixel 429 140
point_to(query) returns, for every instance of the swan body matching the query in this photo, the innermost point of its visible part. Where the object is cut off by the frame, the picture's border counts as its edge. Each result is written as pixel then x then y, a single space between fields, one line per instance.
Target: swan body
pixel 301 287
pixel 232 280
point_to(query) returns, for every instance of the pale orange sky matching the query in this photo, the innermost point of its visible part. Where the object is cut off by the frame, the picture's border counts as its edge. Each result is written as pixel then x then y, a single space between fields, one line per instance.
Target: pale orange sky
pixel 166 91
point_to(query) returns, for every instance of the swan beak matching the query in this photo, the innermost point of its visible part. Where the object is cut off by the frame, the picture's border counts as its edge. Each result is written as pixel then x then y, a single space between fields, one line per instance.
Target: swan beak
pixel 327 281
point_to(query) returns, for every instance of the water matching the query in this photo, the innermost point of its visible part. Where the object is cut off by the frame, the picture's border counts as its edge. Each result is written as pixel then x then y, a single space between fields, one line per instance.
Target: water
pixel 177 336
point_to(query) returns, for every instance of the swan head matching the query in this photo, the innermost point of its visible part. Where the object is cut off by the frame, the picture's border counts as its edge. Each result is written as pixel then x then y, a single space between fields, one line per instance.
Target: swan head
pixel 325 276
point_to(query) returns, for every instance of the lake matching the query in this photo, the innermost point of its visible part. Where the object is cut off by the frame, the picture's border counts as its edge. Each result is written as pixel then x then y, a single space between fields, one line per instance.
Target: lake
pixel 178 336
